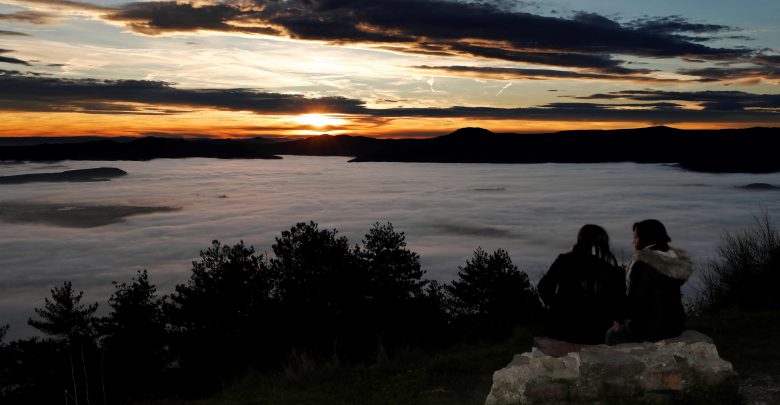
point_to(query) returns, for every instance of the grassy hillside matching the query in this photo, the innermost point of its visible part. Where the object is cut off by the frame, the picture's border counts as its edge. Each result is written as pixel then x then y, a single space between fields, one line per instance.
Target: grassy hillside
pixel 463 374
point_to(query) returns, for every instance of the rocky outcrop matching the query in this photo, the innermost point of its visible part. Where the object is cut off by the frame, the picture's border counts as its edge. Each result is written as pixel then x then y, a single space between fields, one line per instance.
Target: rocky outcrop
pixel 686 369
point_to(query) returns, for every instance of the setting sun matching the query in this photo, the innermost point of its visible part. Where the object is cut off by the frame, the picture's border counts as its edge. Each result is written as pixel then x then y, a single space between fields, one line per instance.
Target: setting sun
pixel 319 120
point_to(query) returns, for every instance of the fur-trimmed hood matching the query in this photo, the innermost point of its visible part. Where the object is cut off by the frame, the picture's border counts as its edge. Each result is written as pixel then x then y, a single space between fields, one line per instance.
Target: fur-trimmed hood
pixel 674 263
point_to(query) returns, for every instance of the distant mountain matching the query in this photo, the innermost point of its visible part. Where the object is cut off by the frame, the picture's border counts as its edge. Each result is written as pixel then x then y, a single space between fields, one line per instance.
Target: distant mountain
pixel 328 145
pixel 80 175
pixel 733 150
pixel 738 150
pixel 139 149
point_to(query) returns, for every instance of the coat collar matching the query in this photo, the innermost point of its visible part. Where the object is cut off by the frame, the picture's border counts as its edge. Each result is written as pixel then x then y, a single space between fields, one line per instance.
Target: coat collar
pixel 674 263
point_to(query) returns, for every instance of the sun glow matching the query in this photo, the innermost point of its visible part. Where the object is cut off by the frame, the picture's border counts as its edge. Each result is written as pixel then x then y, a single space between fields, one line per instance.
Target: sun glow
pixel 319 120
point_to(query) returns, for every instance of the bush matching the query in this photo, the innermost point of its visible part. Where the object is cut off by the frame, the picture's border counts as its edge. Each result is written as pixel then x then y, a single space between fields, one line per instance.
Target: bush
pixel 747 273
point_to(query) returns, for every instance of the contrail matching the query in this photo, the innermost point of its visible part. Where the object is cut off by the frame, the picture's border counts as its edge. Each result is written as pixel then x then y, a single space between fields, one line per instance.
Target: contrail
pixel 430 83
pixel 503 88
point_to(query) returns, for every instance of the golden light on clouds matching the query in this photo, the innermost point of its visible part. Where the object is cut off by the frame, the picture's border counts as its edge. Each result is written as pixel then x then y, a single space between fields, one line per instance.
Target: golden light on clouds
pixel 319 120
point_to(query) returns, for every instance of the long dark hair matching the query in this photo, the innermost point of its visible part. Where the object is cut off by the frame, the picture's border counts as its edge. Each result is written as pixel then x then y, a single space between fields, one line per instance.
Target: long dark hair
pixel 652 232
pixel 593 239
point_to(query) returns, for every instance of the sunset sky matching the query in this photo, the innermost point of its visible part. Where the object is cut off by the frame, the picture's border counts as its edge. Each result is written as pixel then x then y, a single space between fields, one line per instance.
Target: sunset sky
pixel 384 67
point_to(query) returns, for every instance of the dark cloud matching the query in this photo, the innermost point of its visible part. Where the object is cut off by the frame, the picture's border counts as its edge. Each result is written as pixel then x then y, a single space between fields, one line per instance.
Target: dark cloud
pixel 716 101
pixel 436 27
pixel 12 33
pixel 722 74
pixel 28 17
pixel 6 59
pixel 154 18
pixel 502 73
pixel 25 93
pixel 74 5
pixel 36 93
pixel 770 60
pixel 672 25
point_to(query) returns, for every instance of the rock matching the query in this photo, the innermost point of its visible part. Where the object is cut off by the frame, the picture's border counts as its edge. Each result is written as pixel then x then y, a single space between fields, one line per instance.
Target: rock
pixel 686 369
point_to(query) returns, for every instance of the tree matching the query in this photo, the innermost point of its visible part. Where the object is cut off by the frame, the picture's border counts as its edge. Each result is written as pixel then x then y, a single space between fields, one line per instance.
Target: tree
pixel 64 316
pixel 393 271
pixel 219 317
pixel 69 321
pixel 134 336
pixel 395 288
pixel 491 295
pixel 319 288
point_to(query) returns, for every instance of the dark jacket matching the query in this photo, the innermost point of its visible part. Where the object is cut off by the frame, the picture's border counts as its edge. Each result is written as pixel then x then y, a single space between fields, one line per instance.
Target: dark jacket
pixel 584 295
pixel 655 278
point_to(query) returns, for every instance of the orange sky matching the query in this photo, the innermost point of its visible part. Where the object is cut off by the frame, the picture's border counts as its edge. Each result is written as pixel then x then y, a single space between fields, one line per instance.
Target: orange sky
pixel 228 68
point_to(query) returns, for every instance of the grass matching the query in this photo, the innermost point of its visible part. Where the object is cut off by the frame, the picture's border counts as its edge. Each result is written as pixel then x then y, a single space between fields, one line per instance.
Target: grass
pixel 463 374
pixel 748 340
pixel 460 375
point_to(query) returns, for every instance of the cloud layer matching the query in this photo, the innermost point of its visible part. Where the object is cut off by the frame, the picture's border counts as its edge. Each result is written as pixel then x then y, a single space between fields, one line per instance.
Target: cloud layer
pixel 32 93
pixel 433 27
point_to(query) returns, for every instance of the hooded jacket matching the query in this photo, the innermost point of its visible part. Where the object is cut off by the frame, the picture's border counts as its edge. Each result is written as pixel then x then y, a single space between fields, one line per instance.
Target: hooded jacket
pixel 655 301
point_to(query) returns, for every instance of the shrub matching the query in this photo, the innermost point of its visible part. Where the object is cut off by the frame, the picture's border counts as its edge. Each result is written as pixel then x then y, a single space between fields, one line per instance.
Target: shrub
pixel 747 273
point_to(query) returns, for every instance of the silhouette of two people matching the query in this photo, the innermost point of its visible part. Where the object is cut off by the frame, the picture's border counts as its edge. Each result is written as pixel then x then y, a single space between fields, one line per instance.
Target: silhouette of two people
pixel 586 295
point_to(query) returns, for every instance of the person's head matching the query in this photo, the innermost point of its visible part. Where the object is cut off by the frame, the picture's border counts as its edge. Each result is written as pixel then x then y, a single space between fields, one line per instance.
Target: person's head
pixel 594 240
pixel 650 232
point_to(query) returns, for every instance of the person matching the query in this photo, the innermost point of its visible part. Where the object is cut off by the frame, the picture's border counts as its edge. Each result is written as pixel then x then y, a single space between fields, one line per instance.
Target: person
pixel 656 273
pixel 584 290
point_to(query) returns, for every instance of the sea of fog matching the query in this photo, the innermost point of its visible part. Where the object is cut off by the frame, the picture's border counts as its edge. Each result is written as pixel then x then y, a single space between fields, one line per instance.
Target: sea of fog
pixel 52 232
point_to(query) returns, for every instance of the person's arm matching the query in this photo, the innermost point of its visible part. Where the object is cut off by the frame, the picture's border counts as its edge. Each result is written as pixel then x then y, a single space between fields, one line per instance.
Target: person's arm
pixel 549 283
pixel 639 295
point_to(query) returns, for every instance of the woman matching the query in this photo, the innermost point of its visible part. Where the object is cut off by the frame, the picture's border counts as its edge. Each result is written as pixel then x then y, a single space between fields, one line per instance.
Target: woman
pixel 584 290
pixel 656 274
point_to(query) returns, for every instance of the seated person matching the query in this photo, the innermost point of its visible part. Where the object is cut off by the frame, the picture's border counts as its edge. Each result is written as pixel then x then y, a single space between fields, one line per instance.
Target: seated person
pixel 584 290
pixel 656 274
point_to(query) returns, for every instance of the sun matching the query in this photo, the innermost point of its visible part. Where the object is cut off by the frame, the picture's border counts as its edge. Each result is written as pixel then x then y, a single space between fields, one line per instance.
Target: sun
pixel 319 120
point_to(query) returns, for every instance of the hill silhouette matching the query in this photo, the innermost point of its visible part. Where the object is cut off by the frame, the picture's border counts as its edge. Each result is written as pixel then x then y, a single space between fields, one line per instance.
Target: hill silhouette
pixel 749 150
pixel 146 148
pixel 80 175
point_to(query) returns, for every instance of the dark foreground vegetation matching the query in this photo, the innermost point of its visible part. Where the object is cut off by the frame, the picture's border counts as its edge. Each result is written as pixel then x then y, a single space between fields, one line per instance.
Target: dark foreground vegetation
pixel 731 150
pixel 323 321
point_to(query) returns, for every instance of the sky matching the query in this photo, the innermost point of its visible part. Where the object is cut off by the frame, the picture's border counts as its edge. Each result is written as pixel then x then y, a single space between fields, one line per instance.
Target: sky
pixel 387 68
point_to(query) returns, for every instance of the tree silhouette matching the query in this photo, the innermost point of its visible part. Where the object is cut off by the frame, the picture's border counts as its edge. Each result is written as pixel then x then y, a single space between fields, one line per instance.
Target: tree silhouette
pixel 319 288
pixel 134 337
pixel 491 295
pixel 393 271
pixel 218 316
pixel 394 286
pixel 72 323
pixel 64 316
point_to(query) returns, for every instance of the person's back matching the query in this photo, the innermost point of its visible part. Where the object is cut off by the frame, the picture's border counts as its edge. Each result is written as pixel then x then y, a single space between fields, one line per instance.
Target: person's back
pixel 584 292
pixel 656 274
pixel 656 277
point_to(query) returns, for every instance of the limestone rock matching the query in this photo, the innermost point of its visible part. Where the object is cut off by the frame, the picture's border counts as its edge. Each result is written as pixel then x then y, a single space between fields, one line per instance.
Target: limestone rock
pixel 686 369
